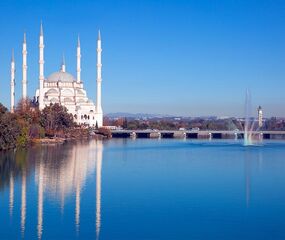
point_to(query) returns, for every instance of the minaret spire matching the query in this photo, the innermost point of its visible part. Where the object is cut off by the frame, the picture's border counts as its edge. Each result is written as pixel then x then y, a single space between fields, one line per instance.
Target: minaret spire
pixel 78 62
pixel 63 63
pixel 24 80
pixel 78 41
pixel 12 82
pixel 99 111
pixel 41 31
pixel 12 56
pixel 41 68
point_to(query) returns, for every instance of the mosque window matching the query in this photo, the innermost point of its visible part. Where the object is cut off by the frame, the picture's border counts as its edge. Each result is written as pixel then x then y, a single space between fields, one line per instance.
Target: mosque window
pixel 67 99
pixel 52 91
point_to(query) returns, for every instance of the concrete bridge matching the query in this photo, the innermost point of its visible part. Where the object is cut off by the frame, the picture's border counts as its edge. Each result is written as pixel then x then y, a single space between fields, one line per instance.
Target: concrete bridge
pixel 205 134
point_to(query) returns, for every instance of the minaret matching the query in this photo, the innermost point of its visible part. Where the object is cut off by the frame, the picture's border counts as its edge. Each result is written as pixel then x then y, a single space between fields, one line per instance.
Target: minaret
pixel 78 65
pixel 12 82
pixel 63 64
pixel 24 80
pixel 99 81
pixel 41 69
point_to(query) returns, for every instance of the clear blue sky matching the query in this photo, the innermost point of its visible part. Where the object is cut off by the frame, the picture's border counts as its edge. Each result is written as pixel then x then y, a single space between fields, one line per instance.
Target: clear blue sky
pixel 178 57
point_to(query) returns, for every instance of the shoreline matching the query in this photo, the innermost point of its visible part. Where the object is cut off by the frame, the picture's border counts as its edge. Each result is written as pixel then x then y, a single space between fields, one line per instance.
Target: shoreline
pixel 61 140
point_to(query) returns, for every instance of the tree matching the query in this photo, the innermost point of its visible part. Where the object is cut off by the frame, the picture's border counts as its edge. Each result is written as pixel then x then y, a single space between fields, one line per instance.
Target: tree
pixel 106 121
pixel 26 110
pixel 28 117
pixel 125 123
pixel 55 118
pixel 9 129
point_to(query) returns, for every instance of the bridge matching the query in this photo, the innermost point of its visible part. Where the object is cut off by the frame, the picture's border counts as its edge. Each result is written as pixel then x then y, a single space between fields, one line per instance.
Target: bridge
pixel 202 134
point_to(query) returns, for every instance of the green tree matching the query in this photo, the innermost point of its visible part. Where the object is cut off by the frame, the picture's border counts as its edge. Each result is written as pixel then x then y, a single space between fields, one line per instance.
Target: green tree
pixel 55 118
pixel 9 129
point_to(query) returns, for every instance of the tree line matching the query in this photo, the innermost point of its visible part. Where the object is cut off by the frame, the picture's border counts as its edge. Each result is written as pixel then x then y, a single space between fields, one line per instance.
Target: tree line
pixel 27 122
pixel 198 123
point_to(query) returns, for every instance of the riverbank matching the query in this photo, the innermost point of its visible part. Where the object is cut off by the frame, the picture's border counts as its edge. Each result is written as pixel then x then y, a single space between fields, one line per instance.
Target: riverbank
pixel 61 140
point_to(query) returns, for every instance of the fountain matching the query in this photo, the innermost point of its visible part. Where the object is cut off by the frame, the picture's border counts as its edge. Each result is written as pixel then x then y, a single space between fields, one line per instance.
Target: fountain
pixel 248 125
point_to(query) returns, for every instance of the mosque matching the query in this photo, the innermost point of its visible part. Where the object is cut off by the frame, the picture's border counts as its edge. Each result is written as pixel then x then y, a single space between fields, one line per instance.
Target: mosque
pixel 62 87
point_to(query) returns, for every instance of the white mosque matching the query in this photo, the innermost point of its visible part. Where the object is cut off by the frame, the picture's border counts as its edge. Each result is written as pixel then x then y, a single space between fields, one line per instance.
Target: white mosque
pixel 62 87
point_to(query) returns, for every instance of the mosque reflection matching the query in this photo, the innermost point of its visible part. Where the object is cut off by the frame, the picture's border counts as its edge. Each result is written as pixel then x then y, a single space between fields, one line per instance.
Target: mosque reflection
pixel 59 172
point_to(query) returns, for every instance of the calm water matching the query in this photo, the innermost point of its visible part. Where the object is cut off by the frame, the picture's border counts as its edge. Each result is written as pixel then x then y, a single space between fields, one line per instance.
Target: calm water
pixel 144 189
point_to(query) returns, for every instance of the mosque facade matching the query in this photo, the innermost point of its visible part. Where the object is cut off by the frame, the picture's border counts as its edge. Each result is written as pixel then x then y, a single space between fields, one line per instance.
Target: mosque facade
pixel 62 87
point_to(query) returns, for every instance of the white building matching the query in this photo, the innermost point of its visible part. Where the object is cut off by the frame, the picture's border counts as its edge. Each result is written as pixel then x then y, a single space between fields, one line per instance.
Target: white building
pixel 63 88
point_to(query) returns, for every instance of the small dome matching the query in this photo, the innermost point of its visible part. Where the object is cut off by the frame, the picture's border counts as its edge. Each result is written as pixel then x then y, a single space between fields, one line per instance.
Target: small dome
pixel 60 76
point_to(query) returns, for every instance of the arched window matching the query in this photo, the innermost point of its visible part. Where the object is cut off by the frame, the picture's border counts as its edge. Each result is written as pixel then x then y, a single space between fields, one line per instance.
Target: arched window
pixel 67 92
pixel 52 92
pixel 66 100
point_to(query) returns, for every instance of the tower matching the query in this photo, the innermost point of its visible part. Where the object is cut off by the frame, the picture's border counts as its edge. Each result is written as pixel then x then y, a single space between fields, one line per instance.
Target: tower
pixel 259 114
pixel 63 64
pixel 12 82
pixel 41 69
pixel 24 80
pixel 99 82
pixel 78 65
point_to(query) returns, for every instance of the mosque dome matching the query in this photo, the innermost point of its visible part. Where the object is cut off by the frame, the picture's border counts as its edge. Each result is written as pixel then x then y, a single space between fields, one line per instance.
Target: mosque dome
pixel 61 76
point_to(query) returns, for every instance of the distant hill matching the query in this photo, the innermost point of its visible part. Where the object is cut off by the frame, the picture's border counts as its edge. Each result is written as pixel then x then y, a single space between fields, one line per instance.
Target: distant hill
pixel 136 115
pixel 153 116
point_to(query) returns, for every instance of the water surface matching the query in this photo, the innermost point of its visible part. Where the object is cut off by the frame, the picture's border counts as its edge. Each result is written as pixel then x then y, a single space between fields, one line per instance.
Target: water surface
pixel 144 189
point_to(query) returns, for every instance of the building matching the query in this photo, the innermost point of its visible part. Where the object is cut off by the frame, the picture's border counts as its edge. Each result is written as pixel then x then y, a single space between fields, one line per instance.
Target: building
pixel 259 114
pixel 62 87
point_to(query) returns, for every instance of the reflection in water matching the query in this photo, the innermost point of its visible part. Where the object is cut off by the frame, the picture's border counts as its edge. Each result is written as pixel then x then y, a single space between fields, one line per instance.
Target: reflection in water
pixel 77 207
pixel 247 180
pixel 11 194
pixel 62 171
pixel 56 192
pixel 98 188
pixel 23 203
pixel 251 158
pixel 247 160
pixel 40 200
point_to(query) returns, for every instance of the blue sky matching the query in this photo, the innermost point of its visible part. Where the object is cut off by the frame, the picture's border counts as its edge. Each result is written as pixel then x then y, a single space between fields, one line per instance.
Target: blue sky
pixel 177 57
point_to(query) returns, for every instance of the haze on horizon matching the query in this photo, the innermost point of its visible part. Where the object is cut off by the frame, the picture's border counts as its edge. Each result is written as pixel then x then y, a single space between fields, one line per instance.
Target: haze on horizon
pixel 184 57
